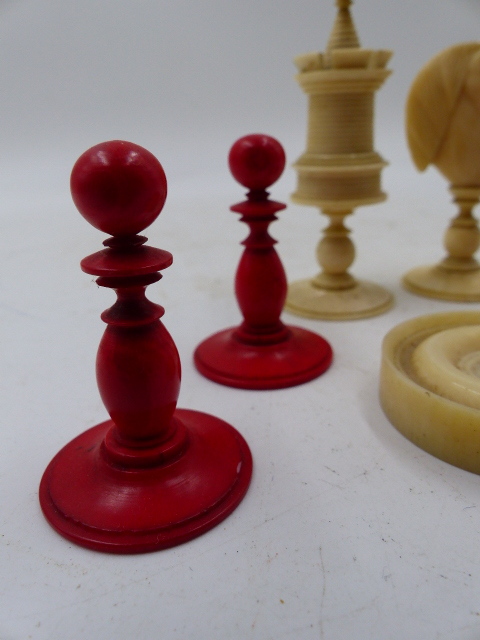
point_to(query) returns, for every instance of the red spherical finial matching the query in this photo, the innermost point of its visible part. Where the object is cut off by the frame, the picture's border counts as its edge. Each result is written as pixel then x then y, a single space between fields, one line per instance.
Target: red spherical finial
pixel 119 187
pixel 256 161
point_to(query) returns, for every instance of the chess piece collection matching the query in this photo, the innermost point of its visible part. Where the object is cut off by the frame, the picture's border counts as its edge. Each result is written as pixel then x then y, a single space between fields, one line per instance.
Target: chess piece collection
pixel 153 475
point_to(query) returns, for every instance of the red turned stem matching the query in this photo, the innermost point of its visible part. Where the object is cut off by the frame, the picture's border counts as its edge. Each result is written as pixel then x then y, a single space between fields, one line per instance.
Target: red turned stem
pixel 257 161
pixel 121 188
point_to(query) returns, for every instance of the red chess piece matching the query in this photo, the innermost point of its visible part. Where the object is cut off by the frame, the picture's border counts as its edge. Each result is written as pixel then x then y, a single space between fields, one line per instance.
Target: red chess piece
pixel 152 476
pixel 262 353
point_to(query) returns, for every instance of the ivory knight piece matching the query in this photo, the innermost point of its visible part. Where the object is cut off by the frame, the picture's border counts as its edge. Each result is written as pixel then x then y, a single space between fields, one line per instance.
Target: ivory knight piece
pixel 443 129
pixel 340 170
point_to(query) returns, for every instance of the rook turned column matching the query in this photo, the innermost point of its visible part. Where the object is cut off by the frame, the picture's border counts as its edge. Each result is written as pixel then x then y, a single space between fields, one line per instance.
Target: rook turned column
pixel 340 170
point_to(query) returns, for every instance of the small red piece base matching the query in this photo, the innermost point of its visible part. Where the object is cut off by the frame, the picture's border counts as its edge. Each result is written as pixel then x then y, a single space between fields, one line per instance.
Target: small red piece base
pixel 301 357
pixel 93 502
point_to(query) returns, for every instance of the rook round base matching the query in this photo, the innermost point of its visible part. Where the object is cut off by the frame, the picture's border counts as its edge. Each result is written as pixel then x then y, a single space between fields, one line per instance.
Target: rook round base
pixel 444 284
pixel 303 356
pixel 430 385
pixel 97 504
pixel 363 300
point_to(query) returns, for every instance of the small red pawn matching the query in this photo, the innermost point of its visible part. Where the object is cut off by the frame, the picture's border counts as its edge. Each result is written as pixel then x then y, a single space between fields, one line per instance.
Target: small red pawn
pixel 262 353
pixel 152 476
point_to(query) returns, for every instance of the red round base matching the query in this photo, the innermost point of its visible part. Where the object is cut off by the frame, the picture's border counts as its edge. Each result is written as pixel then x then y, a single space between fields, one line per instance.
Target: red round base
pixel 225 359
pixel 105 507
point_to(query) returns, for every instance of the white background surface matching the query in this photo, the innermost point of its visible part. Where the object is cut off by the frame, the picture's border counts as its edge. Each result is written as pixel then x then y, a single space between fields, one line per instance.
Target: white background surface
pixel 348 530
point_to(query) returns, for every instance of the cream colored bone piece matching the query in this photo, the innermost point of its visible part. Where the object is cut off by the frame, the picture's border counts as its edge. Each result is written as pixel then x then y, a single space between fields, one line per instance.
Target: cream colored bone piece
pixel 430 385
pixel 443 129
pixel 340 170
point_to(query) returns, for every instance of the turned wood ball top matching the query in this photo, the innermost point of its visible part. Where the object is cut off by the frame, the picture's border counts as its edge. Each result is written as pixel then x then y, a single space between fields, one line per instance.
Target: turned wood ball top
pixel 256 161
pixel 119 187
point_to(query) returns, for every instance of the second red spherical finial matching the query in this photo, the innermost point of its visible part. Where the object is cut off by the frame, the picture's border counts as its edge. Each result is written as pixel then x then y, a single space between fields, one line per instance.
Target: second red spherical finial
pixel 119 187
pixel 256 161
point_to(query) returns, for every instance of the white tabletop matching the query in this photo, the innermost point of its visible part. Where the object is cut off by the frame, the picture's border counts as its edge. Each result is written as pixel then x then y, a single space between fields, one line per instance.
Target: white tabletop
pixel 348 530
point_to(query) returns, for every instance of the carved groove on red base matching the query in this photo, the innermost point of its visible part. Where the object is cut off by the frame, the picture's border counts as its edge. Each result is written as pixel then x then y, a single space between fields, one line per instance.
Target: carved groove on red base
pixel 301 357
pixel 106 508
